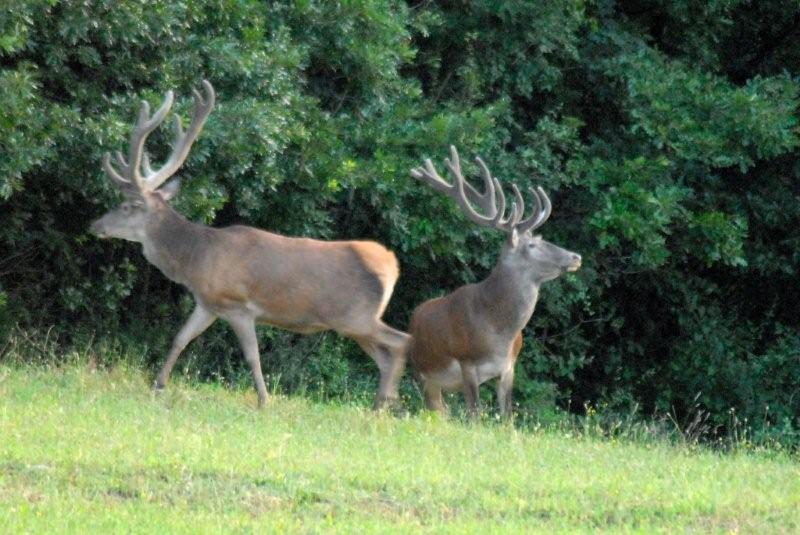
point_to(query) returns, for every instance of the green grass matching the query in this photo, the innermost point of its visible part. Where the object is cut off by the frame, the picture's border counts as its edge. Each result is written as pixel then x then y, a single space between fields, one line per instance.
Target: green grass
pixel 96 451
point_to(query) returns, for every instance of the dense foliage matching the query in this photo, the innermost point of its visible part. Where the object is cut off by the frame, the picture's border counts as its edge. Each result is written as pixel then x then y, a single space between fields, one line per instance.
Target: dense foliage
pixel 665 131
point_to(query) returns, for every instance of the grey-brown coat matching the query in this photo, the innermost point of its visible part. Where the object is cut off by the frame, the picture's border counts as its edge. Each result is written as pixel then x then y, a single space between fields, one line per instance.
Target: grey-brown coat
pixel 246 275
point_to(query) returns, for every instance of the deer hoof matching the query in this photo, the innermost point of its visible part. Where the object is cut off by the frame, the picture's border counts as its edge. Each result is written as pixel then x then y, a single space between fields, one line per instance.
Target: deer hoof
pixel 382 403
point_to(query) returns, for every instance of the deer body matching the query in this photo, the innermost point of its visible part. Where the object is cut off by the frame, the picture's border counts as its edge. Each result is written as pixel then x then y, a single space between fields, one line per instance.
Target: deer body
pixel 446 331
pixel 474 334
pixel 293 283
pixel 248 276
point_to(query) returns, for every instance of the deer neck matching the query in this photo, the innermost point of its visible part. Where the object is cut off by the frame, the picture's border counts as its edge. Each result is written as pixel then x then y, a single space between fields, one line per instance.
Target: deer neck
pixel 173 244
pixel 508 298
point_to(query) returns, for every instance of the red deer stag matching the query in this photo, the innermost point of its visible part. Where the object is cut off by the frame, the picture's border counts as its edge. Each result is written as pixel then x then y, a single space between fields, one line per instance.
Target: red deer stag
pixel 474 334
pixel 246 275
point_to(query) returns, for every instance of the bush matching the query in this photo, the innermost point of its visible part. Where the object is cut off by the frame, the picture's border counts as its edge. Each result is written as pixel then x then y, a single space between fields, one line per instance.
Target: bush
pixel 672 162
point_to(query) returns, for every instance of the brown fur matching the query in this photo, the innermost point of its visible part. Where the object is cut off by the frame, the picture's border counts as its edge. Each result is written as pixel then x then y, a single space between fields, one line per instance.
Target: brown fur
pixel 300 284
pixel 245 275
pixel 475 333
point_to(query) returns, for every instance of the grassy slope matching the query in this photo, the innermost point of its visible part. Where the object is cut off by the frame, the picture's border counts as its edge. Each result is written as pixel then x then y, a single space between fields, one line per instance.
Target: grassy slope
pixel 96 450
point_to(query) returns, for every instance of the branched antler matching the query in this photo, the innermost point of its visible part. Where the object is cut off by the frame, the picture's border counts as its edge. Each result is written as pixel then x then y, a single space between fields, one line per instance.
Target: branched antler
pixel 135 175
pixel 492 201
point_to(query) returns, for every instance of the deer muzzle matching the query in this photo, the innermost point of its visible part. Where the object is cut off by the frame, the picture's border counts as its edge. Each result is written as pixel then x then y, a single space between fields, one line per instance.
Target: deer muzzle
pixel 98 229
pixel 576 263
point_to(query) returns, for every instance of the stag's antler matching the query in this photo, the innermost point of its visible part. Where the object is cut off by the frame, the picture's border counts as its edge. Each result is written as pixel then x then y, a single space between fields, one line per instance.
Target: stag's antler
pixel 135 174
pixel 492 201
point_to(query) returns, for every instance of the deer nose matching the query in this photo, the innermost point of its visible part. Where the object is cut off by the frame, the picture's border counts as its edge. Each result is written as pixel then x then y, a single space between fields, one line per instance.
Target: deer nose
pixel 576 262
pixel 96 228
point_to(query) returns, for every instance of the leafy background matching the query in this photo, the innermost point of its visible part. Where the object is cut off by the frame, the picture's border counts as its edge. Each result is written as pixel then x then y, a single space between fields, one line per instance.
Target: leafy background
pixel 666 133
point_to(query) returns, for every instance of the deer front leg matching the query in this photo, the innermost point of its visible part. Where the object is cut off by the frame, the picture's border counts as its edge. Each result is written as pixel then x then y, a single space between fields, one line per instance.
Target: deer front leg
pixel 505 394
pixel 470 387
pixel 433 397
pixel 200 320
pixel 245 329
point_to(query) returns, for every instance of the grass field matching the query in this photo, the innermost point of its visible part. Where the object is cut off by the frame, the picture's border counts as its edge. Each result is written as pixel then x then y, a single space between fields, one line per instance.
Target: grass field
pixel 96 451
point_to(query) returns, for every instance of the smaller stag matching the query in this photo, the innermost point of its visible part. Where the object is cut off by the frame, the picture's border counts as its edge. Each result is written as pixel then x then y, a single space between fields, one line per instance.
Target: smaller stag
pixel 246 275
pixel 474 334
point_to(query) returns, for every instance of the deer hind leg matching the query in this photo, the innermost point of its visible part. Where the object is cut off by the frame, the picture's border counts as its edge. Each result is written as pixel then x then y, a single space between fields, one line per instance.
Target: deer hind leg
pixel 505 383
pixel 200 320
pixel 387 387
pixel 471 388
pixel 505 399
pixel 245 329
pixel 387 347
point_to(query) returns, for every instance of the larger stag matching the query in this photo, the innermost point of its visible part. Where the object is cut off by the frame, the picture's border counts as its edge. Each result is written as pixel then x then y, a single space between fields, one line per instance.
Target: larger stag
pixel 475 333
pixel 246 275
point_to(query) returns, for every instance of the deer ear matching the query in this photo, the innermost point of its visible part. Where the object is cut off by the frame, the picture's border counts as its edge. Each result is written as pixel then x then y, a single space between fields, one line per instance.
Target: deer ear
pixel 170 189
pixel 513 238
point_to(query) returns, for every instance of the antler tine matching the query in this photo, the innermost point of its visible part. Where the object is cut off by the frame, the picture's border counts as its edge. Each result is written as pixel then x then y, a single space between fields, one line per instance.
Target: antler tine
pixel 488 199
pixel 461 198
pixel 146 164
pixel 455 190
pixel 129 179
pixel 454 162
pixel 428 174
pixel 125 185
pixel 507 224
pixel 110 171
pixel 547 208
pixel 519 206
pixel 537 209
pixel 501 205
pixel 453 165
pixel 183 140
pixel 485 200
pixel 543 209
pixel 144 127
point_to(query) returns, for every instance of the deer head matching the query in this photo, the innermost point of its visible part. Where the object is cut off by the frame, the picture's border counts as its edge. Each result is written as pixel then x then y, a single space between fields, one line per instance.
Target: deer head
pixel 525 253
pixel 145 198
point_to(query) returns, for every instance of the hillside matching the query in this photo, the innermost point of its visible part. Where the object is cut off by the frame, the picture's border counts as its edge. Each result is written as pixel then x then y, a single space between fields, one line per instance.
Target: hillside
pixel 92 450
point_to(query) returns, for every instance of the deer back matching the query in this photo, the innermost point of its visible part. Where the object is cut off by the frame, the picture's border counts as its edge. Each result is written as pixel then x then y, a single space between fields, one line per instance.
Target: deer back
pixel 296 283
